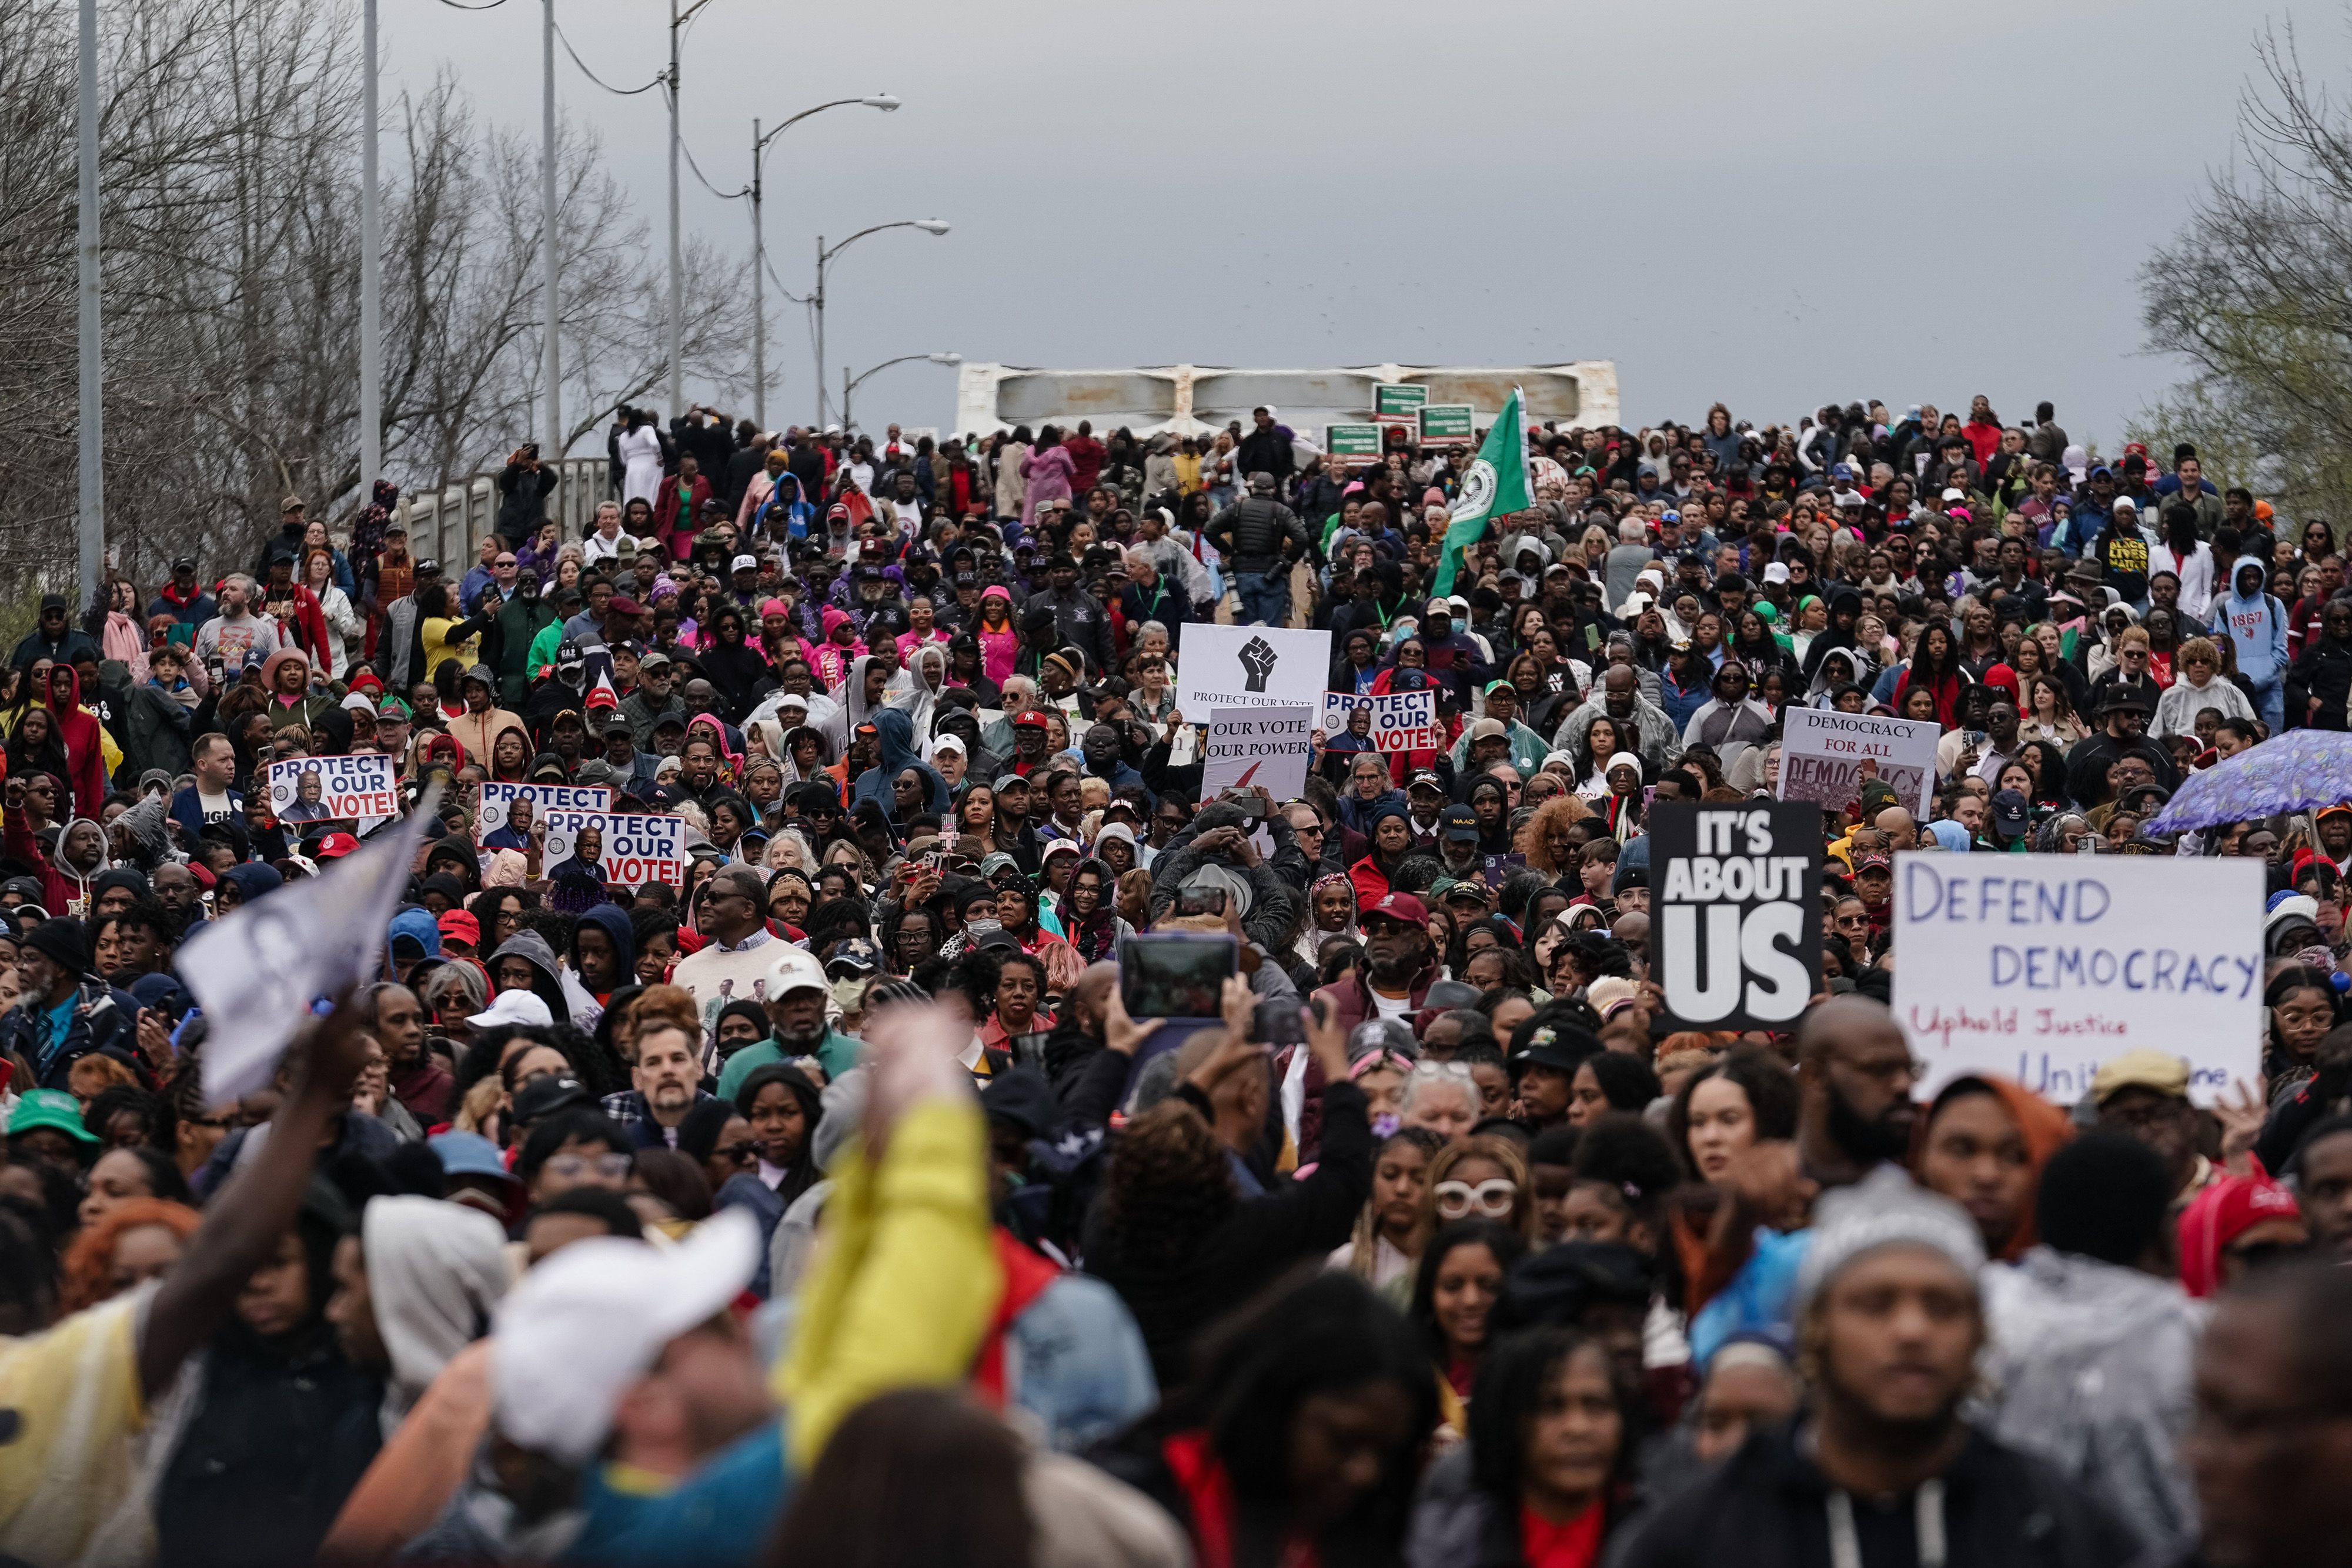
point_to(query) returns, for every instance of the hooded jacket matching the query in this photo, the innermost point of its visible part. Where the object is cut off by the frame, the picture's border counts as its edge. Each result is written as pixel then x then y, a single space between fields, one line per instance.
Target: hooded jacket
pixel 435 1270
pixel 613 921
pixel 85 742
pixel 896 732
pixel 546 983
pixel 2256 623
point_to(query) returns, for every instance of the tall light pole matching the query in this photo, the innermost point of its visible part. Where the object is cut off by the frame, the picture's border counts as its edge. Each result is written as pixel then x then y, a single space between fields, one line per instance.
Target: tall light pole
pixel 881 101
pixel 551 354
pixel 370 276
pixel 849 386
pixel 824 259
pixel 92 499
pixel 677 19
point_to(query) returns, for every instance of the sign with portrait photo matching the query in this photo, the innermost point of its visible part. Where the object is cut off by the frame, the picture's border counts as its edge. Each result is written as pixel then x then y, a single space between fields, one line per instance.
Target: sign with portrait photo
pixel 356 791
pixel 621 848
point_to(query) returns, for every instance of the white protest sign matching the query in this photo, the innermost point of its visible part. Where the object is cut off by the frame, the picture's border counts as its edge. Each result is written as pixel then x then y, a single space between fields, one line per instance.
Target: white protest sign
pixel 307 790
pixel 1401 721
pixel 1249 666
pixel 496 810
pixel 2040 967
pixel 1823 753
pixel 256 972
pixel 628 849
pixel 1269 746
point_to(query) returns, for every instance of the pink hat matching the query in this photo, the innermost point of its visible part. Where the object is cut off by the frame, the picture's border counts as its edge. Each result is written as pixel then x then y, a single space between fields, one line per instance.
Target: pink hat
pixel 772 607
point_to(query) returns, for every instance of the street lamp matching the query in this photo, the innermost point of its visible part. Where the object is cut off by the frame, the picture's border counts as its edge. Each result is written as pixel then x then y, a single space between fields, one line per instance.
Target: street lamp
pixel 825 259
pixel 849 385
pixel 678 20
pixel 881 101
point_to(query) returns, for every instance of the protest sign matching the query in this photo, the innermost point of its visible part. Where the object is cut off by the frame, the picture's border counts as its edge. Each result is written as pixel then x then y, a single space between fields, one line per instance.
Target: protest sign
pixel 1734 913
pixel 1401 721
pixel 627 849
pixel 304 790
pixel 497 814
pixel 1269 746
pixel 1353 446
pixel 1250 666
pixel 2040 967
pixel 256 972
pixel 1448 424
pixel 1823 753
pixel 1398 400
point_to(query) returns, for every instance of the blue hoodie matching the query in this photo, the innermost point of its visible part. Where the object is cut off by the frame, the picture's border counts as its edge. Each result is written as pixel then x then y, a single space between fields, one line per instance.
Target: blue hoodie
pixel 896 732
pixel 2256 623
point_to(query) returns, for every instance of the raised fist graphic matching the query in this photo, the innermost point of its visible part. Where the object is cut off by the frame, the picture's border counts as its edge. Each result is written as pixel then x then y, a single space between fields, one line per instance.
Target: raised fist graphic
pixel 1257 658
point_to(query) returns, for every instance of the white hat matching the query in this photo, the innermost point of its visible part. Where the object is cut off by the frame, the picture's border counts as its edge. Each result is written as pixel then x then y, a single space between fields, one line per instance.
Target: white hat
pixel 745 563
pixel 797 970
pixel 1623 760
pixel 517 1005
pixel 1777 572
pixel 1954 494
pixel 585 1324
pixel 1635 603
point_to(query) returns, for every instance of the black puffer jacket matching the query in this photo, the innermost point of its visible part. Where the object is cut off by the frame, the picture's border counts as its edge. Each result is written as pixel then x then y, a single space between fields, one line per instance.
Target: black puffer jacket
pixel 1257 532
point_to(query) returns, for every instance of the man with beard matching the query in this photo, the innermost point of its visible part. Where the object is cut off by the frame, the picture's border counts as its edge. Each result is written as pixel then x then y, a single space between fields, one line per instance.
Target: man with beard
pixel 1881 1469
pixel 797 994
pixel 1401 965
pixel 1855 1074
pixel 667 1080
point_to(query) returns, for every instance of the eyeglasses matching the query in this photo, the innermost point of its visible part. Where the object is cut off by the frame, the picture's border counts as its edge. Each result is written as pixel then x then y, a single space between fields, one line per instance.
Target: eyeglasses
pixel 736 1153
pixel 1379 926
pixel 1491 1198
pixel 577 1167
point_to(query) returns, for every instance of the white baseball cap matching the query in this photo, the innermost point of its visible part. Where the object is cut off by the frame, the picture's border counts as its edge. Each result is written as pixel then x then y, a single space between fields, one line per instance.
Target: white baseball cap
pixel 579 1329
pixel 797 970
pixel 517 1006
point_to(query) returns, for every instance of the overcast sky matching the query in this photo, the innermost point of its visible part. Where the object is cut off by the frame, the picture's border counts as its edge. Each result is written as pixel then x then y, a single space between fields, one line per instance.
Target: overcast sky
pixel 1774 204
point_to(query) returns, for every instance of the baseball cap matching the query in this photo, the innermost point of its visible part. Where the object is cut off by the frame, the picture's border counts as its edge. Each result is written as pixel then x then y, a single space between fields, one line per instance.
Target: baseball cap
pixel 1425 780
pixel 546 1094
pixel 1776 572
pixel 653 659
pixel 582 1326
pixel 514 1007
pixel 53 1109
pixel 855 957
pixel 2142 1068
pixel 2010 813
pixel 334 847
pixel 1448 888
pixel 457 925
pixel 567 652
pixel 1488 730
pixel 1009 781
pixel 470 1153
pixel 1873 863
pixel 1401 906
pixel 1030 719
pixel 1441 607
pixel 1459 823
pixel 745 563
pixel 796 970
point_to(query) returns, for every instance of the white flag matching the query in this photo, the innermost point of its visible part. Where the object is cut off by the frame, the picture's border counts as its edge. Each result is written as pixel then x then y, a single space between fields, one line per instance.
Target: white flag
pixel 255 973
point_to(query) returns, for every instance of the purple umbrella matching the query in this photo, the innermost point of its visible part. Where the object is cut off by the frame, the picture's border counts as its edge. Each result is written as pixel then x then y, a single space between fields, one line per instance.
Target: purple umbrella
pixel 2300 770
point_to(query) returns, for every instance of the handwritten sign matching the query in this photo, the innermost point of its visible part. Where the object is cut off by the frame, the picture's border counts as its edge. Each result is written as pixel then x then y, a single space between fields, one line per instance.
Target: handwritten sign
pixel 629 849
pixel 1267 746
pixel 1735 935
pixel 2040 967
pixel 1401 721
pixel 306 791
pixel 497 812
pixel 1823 753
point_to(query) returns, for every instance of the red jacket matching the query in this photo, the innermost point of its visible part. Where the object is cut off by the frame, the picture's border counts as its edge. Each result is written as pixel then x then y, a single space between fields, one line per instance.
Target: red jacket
pixel 665 519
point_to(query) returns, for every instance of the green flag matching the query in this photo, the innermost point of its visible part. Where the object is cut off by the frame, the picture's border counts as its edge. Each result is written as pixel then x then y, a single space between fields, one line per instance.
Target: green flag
pixel 1496 487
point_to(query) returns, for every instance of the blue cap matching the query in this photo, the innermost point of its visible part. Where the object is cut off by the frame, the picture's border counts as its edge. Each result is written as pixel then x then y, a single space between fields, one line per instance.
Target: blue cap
pixel 470 1153
pixel 1842 471
pixel 419 927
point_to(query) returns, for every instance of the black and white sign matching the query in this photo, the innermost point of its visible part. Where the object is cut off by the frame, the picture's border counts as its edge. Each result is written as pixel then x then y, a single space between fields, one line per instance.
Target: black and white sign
pixel 1734 913
pixel 1249 666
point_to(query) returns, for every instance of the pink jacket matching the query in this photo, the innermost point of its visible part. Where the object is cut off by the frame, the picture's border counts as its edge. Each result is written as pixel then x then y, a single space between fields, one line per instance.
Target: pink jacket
pixel 1048 471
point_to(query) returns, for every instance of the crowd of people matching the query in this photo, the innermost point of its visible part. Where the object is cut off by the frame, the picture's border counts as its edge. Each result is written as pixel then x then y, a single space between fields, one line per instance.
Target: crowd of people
pixel 826 1201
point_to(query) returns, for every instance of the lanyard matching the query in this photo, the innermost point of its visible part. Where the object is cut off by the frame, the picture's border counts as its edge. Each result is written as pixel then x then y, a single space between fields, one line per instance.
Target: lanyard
pixel 1845 1542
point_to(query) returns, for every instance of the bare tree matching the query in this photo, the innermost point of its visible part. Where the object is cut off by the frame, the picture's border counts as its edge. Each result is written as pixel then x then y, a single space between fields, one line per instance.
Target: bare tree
pixel 2255 292
pixel 230 165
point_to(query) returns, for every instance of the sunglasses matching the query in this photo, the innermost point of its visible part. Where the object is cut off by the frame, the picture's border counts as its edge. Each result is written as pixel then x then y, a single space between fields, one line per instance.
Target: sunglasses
pixel 1491 1198
pixel 737 1153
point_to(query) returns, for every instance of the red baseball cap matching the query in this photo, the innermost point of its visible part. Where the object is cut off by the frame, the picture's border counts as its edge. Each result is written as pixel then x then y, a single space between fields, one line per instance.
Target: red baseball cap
pixel 334 847
pixel 1030 718
pixel 1399 906
pixel 457 925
